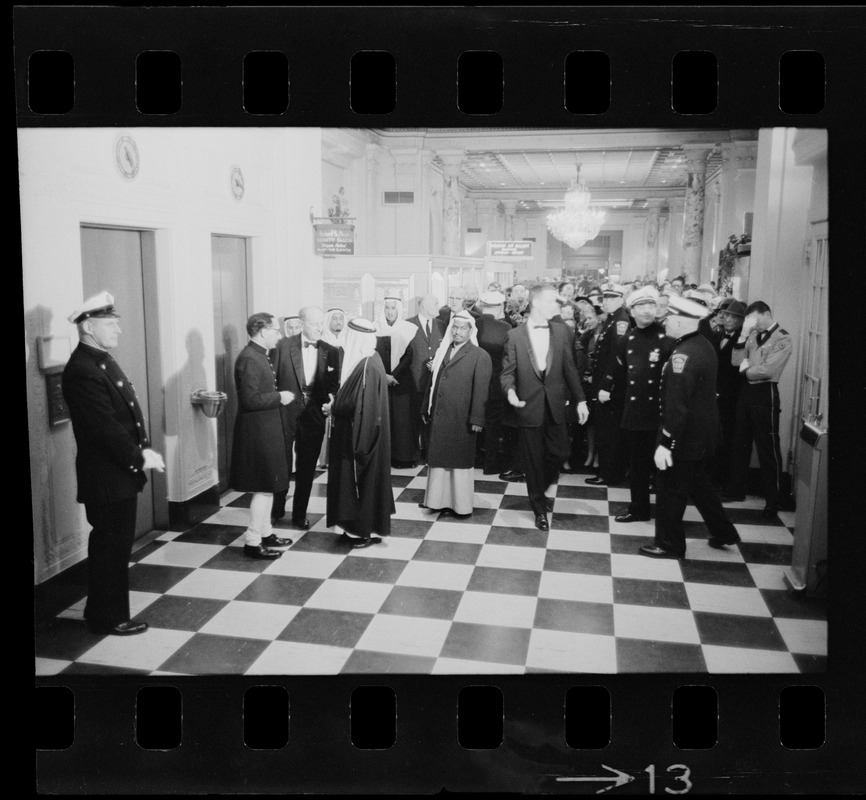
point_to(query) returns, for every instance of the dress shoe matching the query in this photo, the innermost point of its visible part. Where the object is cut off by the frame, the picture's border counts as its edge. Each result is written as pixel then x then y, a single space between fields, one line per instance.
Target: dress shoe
pixel 631 518
pixel 275 541
pixel 657 552
pixel 718 544
pixel 260 551
pixel 302 523
pixel 541 522
pixel 512 477
pixel 128 628
pixel 357 544
pixel 596 480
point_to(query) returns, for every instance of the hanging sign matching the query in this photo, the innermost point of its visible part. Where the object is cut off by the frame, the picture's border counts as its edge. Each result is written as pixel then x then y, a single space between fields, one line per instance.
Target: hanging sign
pixel 521 248
pixel 333 239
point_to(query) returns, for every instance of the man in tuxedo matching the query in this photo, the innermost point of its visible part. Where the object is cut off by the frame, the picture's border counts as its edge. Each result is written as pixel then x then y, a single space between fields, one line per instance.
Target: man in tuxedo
pixel 421 351
pixel 310 368
pixel 538 377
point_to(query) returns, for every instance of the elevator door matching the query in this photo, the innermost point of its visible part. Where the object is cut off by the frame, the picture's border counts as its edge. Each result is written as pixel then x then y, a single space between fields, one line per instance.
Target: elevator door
pixel 230 311
pixel 112 261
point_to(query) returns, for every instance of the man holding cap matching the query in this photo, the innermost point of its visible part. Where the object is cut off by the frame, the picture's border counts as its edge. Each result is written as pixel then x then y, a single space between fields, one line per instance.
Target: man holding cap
pixel 113 455
pixel 643 353
pixel 607 378
pixel 729 380
pixel 688 436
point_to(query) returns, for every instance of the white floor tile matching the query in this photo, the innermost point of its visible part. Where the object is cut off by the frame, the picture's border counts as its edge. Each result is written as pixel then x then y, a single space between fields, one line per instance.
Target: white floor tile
pixel 655 622
pixel 787 518
pixel 619 495
pixel 638 566
pixel 579 541
pixel 459 666
pixel 699 550
pixel 229 497
pixel 488 608
pixel 144 651
pixel 585 588
pixel 741 600
pixel 337 595
pixel 411 511
pixel 182 554
pixel 509 518
pixel 806 636
pixel 411 636
pixel 298 658
pixel 571 652
pixel 568 505
pixel 436 575
pixel 168 536
pixel 741 659
pixel 518 489
pixel 230 515
pixel 642 528
pixel 217 584
pixel 50 666
pixel 768 576
pixel 481 500
pixel 765 534
pixel 511 557
pixel 251 620
pixel 399 548
pixel 305 565
pixel 465 532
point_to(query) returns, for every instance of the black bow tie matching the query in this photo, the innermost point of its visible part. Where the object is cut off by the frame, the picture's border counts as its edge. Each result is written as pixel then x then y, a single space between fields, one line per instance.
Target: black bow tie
pixel 541 326
pixel 311 344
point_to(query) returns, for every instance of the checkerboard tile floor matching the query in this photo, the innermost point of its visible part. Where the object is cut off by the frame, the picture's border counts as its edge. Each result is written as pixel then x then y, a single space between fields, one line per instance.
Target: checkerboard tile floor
pixel 442 595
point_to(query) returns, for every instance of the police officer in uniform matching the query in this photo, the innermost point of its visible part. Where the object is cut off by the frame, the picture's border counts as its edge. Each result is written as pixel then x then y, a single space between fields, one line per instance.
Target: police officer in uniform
pixel 688 436
pixel 761 353
pixel 643 353
pixel 607 379
pixel 113 455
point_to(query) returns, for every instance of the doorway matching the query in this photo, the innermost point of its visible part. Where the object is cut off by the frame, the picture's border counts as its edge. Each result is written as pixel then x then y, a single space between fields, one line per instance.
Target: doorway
pixel 123 263
pixel 230 264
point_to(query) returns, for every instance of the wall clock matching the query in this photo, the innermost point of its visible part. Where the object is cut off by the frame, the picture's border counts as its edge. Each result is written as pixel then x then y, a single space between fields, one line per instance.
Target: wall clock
pixel 126 155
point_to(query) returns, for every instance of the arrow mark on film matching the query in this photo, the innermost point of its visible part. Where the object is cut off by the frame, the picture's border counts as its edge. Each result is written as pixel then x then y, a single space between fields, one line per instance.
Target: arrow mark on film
pixel 618 778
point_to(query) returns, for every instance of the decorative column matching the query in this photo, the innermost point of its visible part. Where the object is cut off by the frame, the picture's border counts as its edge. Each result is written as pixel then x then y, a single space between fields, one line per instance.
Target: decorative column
pixel 693 227
pixel 651 237
pixel 451 228
pixel 406 179
pixel 676 206
pixel 371 221
pixel 510 207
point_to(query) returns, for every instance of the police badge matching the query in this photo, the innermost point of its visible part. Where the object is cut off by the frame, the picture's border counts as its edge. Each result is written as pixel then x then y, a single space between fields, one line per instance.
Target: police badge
pixel 678 362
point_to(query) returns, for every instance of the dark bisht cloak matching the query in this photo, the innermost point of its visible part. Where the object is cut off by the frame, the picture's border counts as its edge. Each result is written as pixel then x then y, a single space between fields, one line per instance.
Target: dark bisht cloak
pixel 360 499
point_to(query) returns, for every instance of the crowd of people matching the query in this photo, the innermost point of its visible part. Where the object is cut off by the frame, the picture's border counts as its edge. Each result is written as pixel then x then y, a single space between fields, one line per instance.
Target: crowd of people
pixel 660 388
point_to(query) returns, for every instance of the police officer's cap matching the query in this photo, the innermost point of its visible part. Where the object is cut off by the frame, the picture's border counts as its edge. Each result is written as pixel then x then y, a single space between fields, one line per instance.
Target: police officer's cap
pixel 492 299
pixel 612 290
pixel 646 294
pixel 99 306
pixel 685 307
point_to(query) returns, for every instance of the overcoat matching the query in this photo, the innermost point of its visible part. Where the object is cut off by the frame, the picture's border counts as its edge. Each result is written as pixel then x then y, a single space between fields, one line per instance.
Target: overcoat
pixel 108 426
pixel 259 462
pixel 459 400
pixel 360 499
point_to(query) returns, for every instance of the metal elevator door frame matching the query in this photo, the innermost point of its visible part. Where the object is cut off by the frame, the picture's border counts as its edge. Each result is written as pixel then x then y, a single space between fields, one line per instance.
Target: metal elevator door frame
pixel 122 261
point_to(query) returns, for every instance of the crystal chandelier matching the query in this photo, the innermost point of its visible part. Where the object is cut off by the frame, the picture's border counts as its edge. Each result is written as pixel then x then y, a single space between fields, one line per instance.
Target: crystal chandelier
pixel 577 223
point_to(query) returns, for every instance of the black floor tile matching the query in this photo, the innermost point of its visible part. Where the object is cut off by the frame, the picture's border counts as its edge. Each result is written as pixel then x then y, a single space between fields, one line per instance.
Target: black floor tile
pixel 321 542
pixel 49 601
pixel 282 589
pixel 157 578
pixel 637 592
pixel 504 581
pixel 759 553
pixel 83 668
pixel 581 492
pixel 447 552
pixel 149 549
pixel 241 502
pixel 490 487
pixel 369 570
pixel 574 616
pixel 233 559
pixel 411 528
pixel 285 526
pixel 180 613
pixel 734 630
pixel 323 626
pixel 809 663
pixel 640 655
pixel 784 605
pixel 519 537
pixel 413 601
pixel 204 654
pixel 579 522
pixel 387 663
pixel 624 544
pixel 495 643
pixel 751 516
pixel 720 572
pixel 398 481
pixel 205 533
pixel 63 639
pixel 515 502
pixel 577 563
pixel 411 496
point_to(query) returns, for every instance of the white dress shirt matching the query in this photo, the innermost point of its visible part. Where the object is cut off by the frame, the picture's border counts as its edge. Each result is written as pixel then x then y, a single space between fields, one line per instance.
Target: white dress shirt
pixel 310 356
pixel 539 338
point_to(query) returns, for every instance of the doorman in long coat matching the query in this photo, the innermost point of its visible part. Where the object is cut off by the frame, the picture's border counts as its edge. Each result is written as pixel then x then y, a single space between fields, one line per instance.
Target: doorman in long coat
pixel 455 405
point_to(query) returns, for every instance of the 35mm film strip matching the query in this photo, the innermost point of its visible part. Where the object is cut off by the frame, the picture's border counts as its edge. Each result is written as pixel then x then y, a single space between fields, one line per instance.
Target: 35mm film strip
pixel 495 70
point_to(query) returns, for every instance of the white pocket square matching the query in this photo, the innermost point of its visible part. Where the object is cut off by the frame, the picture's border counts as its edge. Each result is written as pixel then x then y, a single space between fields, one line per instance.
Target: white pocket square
pixel 330 369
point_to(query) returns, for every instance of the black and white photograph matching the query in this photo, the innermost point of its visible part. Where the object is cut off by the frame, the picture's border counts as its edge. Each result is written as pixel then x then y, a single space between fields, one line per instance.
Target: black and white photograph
pixel 324 401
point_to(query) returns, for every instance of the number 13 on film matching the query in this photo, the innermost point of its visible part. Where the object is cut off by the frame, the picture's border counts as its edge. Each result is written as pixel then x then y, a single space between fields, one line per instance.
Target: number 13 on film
pixel 683 784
